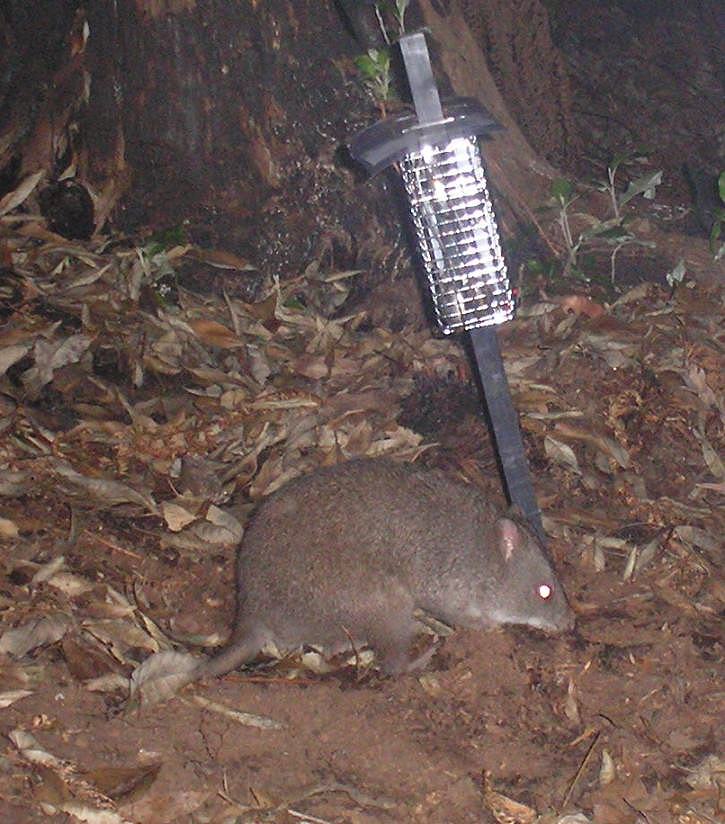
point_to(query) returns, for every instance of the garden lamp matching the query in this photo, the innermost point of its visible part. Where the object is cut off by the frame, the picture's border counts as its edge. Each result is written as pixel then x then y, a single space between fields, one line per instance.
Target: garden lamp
pixel 437 154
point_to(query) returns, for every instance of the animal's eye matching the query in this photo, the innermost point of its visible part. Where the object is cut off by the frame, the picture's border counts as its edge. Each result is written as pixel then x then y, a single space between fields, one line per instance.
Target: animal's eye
pixel 545 592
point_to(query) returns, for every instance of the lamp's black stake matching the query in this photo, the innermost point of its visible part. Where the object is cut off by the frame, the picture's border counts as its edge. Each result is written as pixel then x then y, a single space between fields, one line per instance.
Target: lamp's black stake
pixel 504 422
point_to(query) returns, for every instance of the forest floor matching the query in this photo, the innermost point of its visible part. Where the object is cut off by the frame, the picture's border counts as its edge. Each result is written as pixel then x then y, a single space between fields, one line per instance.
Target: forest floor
pixel 141 421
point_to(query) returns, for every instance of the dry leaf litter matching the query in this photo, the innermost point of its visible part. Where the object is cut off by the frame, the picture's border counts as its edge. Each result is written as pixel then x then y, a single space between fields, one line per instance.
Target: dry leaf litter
pixel 140 422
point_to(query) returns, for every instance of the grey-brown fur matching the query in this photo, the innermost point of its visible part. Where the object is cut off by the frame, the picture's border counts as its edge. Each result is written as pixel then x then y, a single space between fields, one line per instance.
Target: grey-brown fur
pixel 350 552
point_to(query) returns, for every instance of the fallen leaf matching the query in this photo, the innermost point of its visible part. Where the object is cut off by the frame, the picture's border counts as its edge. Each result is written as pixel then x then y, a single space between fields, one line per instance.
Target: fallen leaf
pixel 161 676
pixel 176 516
pixel 14 198
pixel 8 528
pixel 246 719
pixel 50 356
pixel 123 783
pixel 215 334
pixel 561 453
pixel 581 305
pixel 10 355
pixel 41 631
pixel 9 697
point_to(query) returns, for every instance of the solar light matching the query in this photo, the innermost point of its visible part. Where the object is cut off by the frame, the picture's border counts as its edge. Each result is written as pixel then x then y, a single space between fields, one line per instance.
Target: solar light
pixel 450 206
pixel 437 153
pixel 457 235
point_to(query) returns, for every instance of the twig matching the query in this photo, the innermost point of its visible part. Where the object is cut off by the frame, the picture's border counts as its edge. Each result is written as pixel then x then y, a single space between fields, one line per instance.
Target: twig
pixel 582 766
pixel 113 546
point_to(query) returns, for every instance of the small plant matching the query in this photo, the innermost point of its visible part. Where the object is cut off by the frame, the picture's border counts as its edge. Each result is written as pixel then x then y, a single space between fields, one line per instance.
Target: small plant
pixel 716 230
pixel 611 234
pixel 396 9
pixel 164 239
pixel 375 70
pixel 562 197
pixel 644 186
pixel 375 65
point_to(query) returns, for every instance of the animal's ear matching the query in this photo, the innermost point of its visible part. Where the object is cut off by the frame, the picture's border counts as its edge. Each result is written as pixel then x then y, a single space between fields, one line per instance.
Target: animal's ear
pixel 508 537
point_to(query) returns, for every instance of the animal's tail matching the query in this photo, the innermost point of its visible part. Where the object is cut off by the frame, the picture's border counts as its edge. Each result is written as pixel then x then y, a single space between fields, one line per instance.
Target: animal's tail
pixel 230 657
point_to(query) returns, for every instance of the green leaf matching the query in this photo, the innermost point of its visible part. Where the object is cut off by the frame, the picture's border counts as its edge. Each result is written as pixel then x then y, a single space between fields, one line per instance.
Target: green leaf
pixel 167 239
pixel 540 267
pixel 562 189
pixel 643 185
pixel 677 274
pixel 366 66
pixel 399 13
pixel 617 161
pixel 605 228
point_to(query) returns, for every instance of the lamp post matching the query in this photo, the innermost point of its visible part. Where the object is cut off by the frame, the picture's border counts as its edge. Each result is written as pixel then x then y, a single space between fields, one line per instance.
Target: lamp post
pixel 437 154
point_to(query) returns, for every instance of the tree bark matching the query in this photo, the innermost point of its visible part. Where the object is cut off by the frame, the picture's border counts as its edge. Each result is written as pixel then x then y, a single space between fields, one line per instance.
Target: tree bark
pixel 224 120
pixel 226 117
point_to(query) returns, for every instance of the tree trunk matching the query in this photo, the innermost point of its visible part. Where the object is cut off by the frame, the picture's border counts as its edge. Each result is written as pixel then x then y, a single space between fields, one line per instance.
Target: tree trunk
pixel 225 119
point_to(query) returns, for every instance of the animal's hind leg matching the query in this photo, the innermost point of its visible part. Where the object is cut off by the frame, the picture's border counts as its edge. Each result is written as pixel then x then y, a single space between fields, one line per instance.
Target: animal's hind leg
pixel 389 626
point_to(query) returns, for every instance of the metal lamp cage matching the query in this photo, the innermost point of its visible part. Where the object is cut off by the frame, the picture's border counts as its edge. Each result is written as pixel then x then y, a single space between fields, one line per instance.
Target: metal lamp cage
pixel 457 235
pixel 451 209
